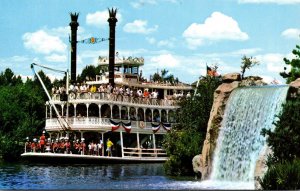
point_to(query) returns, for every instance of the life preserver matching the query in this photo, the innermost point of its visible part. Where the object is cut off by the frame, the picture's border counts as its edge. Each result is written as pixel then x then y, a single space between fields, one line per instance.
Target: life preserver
pixel 142 124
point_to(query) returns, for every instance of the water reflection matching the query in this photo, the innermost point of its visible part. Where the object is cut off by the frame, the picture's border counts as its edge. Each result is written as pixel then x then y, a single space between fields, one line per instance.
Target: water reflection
pixel 113 176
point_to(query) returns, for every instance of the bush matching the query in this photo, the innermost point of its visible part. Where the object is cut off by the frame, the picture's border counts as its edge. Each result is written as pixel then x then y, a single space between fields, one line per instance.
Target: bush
pixel 186 139
pixel 282 176
pixel 284 165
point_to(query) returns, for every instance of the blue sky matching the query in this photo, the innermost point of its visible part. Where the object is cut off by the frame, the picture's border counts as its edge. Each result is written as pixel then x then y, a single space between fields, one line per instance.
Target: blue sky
pixel 181 36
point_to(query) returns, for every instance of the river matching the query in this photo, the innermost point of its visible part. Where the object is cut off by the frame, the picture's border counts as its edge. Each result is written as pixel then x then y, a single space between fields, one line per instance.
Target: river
pixel 112 176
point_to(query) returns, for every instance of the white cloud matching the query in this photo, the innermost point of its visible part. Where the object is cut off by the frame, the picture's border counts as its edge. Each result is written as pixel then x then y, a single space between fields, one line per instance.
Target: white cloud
pixel 151 40
pixel 170 43
pixel 291 33
pixel 165 61
pixel 60 31
pixel 270 1
pixel 216 27
pixel 99 18
pixel 56 58
pixel 139 26
pixel 42 42
pixel 247 52
pixel 140 3
pixel 273 62
pixel 10 62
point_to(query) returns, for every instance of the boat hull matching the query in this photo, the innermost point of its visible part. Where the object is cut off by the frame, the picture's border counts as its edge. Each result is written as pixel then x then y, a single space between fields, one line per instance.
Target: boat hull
pixel 87 159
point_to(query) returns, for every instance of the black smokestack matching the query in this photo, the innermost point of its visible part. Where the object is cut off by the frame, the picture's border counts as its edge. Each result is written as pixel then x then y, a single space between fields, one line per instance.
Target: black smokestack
pixel 74 25
pixel 112 20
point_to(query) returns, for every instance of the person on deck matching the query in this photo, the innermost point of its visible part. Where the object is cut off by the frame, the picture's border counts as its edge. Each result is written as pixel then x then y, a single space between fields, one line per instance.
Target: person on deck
pixel 82 147
pixel 109 145
pixel 42 142
pixel 27 145
pixel 33 145
pixel 77 147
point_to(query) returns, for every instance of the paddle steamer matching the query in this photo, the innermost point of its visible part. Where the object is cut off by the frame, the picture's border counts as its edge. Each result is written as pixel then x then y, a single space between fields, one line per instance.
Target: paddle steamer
pixel 119 104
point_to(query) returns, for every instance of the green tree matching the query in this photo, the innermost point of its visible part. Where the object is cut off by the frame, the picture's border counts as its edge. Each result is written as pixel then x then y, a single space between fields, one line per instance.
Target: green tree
pixel 284 164
pixel 285 139
pixel 21 115
pixel 8 78
pixel 294 64
pixel 164 76
pixel 247 63
pixel 185 139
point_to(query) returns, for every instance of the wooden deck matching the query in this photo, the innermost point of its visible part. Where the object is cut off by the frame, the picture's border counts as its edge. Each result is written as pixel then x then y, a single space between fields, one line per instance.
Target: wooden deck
pixel 80 159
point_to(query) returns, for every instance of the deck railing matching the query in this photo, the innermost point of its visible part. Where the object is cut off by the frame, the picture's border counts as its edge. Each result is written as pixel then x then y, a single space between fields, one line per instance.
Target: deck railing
pixel 169 101
pixel 93 123
pixel 142 152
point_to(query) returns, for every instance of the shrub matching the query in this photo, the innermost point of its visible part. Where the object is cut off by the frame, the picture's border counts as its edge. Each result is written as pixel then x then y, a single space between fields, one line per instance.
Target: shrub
pixel 282 176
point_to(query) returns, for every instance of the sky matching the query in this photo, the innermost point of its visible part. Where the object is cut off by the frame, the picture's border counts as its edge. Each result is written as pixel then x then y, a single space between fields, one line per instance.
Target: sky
pixel 181 36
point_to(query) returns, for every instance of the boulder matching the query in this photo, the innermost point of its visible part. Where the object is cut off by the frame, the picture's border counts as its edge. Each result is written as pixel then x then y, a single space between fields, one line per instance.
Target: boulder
pixel 261 167
pixel 253 81
pixel 228 78
pixel 221 96
pixel 197 165
pixel 296 83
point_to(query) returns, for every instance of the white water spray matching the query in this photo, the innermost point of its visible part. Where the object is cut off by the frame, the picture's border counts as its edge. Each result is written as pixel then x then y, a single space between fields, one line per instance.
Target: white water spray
pixel 248 111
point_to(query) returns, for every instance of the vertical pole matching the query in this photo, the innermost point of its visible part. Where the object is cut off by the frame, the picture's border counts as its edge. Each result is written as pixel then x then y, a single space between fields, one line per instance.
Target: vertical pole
pixel 67 92
pixel 128 115
pixel 121 140
pixel 112 20
pixel 75 113
pixel 87 110
pixel 103 143
pixel 138 143
pixel 167 116
pixel 111 113
pixel 74 26
pixel 50 111
pixel 154 145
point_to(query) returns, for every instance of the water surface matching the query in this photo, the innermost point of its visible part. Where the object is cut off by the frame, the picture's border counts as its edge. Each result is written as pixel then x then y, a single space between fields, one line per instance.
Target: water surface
pixel 112 176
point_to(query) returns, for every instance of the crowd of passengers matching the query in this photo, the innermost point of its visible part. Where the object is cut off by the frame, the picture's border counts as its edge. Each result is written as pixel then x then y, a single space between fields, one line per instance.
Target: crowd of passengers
pixel 63 146
pixel 114 92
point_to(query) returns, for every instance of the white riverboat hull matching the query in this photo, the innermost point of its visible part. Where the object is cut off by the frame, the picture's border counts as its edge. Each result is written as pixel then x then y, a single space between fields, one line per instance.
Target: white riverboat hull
pixel 76 158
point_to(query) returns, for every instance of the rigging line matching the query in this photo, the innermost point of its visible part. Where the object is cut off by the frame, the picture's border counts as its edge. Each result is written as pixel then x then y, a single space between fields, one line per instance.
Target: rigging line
pixel 49 97
pixel 61 71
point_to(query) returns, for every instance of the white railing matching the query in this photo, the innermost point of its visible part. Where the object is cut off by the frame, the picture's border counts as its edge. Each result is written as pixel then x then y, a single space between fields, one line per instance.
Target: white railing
pixel 141 152
pixel 118 98
pixel 95 122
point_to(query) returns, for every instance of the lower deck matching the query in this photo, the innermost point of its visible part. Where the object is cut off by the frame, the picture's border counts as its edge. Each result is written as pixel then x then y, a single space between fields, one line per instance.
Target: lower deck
pixel 77 158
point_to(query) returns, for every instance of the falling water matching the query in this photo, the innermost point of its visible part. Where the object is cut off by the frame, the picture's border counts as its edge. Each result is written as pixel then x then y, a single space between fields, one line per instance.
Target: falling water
pixel 248 111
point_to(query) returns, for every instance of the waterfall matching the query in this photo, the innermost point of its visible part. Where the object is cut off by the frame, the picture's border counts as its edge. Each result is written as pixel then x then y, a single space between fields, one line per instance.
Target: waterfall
pixel 247 112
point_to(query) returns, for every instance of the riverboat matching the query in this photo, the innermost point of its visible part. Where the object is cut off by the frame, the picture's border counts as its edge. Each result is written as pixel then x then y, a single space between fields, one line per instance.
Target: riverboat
pixel 135 116
pixel 118 105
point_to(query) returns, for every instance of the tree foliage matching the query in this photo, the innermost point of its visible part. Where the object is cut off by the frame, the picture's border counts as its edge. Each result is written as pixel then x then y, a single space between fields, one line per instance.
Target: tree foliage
pixel 285 139
pixel 164 76
pixel 90 72
pixel 247 63
pixel 294 63
pixel 282 176
pixel 21 113
pixel 185 139
pixel 284 164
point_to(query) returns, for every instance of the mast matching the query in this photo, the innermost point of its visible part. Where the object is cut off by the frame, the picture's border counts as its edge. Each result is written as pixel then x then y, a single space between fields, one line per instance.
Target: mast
pixel 112 20
pixel 74 26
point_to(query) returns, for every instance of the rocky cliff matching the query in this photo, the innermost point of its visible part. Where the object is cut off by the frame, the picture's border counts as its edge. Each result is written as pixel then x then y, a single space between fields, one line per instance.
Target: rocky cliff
pixel 203 163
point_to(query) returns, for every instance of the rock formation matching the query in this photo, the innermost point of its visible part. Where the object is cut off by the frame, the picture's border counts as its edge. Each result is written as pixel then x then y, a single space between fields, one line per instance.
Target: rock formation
pixel 221 95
